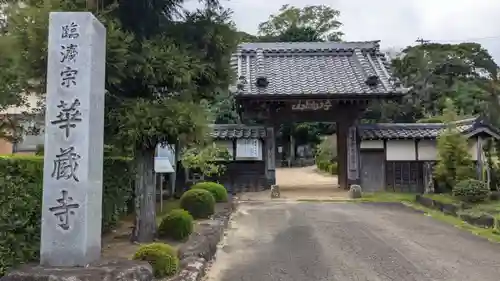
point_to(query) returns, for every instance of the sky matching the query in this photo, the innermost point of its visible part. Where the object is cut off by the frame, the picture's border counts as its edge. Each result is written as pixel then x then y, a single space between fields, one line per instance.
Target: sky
pixel 397 23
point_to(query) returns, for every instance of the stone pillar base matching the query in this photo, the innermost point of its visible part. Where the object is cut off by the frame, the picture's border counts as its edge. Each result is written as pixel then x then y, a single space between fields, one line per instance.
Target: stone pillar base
pixel 120 270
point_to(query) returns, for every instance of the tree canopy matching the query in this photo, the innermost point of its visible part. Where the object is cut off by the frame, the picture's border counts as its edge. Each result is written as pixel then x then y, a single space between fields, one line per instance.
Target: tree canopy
pixel 311 23
pixel 465 73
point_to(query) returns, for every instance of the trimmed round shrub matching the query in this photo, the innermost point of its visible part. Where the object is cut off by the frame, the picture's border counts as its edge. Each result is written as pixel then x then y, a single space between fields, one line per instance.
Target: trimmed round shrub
pixel 177 224
pixel 218 190
pixel 471 191
pixel 162 258
pixel 200 203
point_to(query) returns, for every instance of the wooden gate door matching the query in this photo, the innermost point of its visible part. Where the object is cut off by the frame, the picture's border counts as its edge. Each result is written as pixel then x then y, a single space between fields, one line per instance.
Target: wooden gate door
pixel 372 171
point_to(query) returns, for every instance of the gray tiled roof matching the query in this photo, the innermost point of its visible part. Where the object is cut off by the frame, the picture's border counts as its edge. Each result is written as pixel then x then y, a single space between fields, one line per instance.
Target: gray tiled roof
pixel 227 131
pixel 313 68
pixel 414 130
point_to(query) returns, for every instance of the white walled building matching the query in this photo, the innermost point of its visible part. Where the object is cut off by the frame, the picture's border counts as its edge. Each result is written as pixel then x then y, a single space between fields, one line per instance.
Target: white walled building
pixel 396 157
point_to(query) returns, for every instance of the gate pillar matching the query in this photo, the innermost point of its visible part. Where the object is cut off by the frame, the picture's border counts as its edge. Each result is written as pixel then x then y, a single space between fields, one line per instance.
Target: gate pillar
pixel 342 134
pixel 348 146
pixel 270 156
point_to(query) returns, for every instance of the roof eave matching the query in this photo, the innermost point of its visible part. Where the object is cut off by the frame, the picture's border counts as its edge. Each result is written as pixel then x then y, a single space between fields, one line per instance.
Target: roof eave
pixel 483 129
pixel 400 138
pixel 374 96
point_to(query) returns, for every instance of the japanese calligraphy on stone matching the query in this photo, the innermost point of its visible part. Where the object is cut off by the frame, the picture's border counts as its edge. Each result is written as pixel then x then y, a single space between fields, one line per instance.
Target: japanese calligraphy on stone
pixel 64 210
pixel 70 31
pixel 68 116
pixel 68 77
pixel 66 164
pixel 69 53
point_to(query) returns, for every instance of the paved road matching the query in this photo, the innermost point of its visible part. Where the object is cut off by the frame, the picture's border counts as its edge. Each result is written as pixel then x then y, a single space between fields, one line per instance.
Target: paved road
pixel 301 183
pixel 304 177
pixel 344 241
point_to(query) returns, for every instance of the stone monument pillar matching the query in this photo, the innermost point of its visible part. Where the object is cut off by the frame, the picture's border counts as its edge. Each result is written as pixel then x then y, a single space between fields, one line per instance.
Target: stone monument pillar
pixel 72 181
pixel 74 122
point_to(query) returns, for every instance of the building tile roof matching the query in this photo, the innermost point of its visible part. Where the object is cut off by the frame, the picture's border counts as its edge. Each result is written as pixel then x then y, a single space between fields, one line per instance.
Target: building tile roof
pixel 227 131
pixel 330 68
pixel 416 130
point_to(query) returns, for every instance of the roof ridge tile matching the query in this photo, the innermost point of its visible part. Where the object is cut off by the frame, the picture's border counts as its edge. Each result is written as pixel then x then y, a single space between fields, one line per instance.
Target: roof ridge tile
pixel 312 68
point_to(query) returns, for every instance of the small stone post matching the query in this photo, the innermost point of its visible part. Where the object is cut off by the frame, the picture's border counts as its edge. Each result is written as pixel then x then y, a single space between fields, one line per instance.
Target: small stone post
pixel 74 129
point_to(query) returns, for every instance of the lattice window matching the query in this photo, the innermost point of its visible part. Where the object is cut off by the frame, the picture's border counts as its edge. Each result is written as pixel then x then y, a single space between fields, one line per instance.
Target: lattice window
pixel 404 176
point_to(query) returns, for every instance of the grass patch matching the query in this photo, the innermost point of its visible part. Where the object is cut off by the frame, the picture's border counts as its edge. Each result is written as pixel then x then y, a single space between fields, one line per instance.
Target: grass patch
pixel 489 206
pixel 443 197
pixel 386 197
pixel 492 207
pixel 488 233
pixel 168 205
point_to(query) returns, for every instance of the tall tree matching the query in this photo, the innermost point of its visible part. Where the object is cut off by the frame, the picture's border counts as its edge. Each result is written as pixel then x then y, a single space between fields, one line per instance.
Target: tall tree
pixel 320 22
pixel 436 72
pixel 186 64
pixel 159 69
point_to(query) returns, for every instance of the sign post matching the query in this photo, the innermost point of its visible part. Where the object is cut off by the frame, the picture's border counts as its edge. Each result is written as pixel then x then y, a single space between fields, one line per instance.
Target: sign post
pixel 162 165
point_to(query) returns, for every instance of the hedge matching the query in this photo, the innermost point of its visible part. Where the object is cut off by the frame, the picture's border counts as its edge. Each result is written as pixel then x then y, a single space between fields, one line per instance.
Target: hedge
pixel 21 200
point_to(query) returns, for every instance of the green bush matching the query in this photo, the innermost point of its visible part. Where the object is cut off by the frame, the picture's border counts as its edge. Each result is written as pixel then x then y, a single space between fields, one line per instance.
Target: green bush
pixel 199 203
pixel 177 224
pixel 21 203
pixel 326 151
pixel 20 208
pixel 471 190
pixel 162 258
pixel 332 168
pixel 322 165
pixel 454 162
pixel 327 166
pixel 218 190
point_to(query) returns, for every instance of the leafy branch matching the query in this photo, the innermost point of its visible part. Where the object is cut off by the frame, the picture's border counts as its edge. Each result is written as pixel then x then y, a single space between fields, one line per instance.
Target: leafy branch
pixel 209 159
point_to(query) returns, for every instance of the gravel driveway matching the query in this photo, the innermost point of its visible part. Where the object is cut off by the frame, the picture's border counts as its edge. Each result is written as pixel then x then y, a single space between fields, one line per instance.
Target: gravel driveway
pixel 302 241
